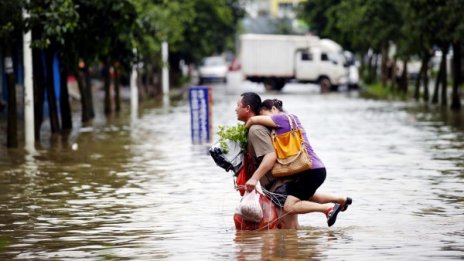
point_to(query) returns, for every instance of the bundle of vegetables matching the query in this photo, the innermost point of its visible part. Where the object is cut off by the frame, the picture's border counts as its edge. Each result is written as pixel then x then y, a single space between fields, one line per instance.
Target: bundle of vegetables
pixel 236 133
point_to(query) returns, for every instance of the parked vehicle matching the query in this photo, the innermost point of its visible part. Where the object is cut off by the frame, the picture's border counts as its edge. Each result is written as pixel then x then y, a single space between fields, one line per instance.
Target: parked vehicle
pixel 213 68
pixel 353 70
pixel 277 59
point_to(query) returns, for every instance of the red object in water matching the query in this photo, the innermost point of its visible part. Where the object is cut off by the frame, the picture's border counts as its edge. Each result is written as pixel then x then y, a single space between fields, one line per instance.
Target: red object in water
pixel 269 221
pixel 270 214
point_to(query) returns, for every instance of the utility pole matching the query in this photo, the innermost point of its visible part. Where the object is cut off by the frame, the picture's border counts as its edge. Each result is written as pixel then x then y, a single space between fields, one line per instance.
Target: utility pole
pixel 28 90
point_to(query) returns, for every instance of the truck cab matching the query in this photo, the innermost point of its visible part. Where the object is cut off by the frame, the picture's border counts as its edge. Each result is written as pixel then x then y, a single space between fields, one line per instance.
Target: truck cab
pixel 327 68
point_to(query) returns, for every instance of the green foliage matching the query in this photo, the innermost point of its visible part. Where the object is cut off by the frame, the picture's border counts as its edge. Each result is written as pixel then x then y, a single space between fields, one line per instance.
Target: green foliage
pixel 235 133
pixel 379 92
pixel 314 12
pixel 412 26
pixel 6 29
pixel 11 20
pixel 212 28
pixel 193 29
pixel 108 30
pixel 391 30
pixel 54 19
pixel 158 22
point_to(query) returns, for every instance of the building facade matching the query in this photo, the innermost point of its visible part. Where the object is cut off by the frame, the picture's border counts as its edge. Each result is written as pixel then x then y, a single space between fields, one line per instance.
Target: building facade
pixel 284 8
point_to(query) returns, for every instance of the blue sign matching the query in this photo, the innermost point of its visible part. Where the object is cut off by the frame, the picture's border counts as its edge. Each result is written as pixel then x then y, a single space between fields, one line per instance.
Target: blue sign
pixel 200 114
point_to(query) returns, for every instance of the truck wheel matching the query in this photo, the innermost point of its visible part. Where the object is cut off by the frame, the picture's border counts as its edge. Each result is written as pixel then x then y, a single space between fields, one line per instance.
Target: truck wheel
pixel 274 84
pixel 279 84
pixel 268 85
pixel 325 85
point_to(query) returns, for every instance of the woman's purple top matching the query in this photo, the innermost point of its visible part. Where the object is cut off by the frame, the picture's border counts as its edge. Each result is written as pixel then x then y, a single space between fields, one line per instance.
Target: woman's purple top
pixel 283 126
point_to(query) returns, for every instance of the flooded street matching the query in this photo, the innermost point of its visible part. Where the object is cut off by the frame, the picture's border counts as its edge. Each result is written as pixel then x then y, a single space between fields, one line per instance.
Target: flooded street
pixel 139 190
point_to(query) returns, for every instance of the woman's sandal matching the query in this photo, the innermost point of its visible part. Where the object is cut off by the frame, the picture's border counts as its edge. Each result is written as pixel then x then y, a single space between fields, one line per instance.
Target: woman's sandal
pixel 347 203
pixel 332 214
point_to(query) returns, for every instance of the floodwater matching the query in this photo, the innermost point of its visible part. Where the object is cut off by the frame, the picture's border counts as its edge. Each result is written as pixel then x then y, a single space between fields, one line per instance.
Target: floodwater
pixel 139 190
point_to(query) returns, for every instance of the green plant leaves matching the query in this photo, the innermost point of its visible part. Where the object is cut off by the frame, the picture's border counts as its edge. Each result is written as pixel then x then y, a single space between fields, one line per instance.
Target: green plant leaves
pixel 236 133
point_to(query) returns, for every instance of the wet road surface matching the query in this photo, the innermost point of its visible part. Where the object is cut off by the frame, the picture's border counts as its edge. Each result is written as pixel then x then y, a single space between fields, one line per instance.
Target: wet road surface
pixel 139 190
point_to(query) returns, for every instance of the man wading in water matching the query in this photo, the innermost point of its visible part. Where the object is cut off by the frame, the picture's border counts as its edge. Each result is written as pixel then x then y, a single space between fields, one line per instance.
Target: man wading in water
pixel 264 157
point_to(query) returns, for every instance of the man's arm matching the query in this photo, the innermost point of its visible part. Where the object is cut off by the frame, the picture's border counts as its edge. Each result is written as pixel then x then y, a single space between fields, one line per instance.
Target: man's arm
pixel 266 165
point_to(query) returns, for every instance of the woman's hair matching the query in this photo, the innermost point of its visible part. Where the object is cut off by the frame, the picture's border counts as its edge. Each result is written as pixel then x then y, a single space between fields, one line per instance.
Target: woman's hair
pixel 268 103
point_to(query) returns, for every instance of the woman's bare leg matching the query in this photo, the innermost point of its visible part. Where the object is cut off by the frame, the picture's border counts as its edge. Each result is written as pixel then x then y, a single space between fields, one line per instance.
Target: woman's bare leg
pixel 323 198
pixel 296 206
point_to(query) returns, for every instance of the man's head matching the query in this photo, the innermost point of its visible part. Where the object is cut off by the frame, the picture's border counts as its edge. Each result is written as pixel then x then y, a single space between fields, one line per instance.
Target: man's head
pixel 247 106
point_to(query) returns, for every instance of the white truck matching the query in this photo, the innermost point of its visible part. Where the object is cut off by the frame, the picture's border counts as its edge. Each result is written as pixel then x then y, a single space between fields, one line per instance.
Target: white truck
pixel 275 60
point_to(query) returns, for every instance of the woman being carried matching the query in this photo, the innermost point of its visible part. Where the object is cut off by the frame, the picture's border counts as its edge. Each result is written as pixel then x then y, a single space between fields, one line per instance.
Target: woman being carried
pixel 297 193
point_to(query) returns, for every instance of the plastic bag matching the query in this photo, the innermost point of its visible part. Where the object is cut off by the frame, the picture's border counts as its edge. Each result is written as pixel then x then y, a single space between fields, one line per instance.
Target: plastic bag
pixel 250 208
pixel 230 160
pixel 269 220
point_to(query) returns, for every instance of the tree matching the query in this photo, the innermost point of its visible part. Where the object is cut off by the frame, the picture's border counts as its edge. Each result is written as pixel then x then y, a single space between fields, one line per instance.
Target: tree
pixel 84 32
pixel 10 35
pixel 193 29
pixel 115 21
pixel 358 24
pixel 50 21
pixel 315 13
pixel 455 26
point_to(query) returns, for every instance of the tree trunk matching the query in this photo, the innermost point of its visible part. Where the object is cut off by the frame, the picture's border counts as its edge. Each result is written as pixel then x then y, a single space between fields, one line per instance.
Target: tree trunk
pixel 425 80
pixel 417 83
pixel 12 121
pixel 403 85
pixel 437 85
pixel 373 75
pixel 155 79
pixel 38 84
pixel 457 79
pixel 139 83
pixel 85 116
pixel 117 85
pixel 66 117
pixel 444 78
pixel 52 103
pixel 106 86
pixel 422 76
pixel 383 67
pixel 88 92
pixel 175 73
pixel 368 70
pixel 39 92
pixel 143 89
pixel 393 74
